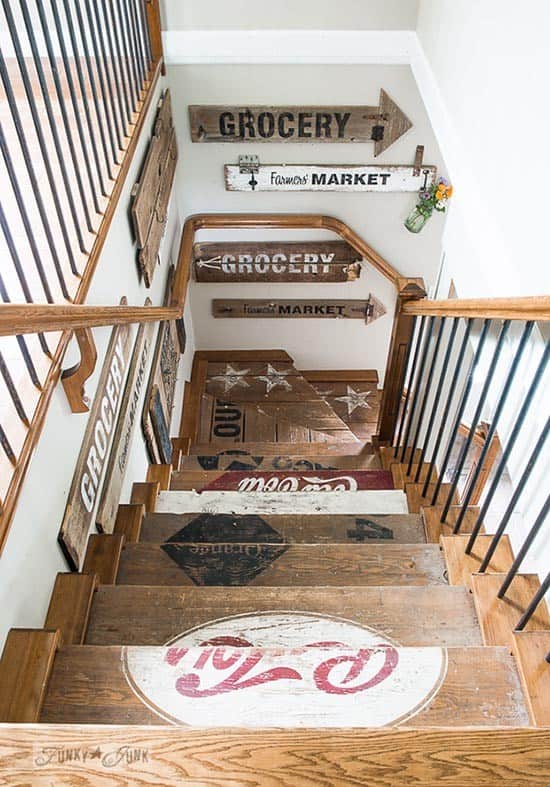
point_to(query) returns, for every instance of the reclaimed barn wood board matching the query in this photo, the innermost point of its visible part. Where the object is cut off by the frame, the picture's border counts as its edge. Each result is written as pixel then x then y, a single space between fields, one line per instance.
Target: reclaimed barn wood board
pixel 146 194
pixel 461 566
pixel 130 615
pixel 237 459
pixel 340 375
pixel 259 425
pixel 382 124
pixel 294 261
pixel 435 528
pixel 279 564
pixel 161 428
pixel 316 415
pixel 330 177
pixel 92 460
pixel 352 448
pixel 167 754
pixel 119 455
pixel 391 501
pixel 113 685
pixel 240 308
pixel 274 386
pixel 355 403
pixel 297 528
pixel 294 481
pixel 25 669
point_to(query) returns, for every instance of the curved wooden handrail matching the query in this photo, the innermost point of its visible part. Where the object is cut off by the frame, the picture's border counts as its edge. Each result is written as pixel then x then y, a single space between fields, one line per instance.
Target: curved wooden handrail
pixel 536 307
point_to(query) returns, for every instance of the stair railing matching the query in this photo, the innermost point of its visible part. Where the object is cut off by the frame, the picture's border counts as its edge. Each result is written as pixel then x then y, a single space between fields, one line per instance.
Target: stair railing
pixel 475 361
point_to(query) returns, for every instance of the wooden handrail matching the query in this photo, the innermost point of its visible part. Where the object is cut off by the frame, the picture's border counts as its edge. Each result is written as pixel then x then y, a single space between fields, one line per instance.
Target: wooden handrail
pixel 37 318
pixel 536 307
pixel 289 221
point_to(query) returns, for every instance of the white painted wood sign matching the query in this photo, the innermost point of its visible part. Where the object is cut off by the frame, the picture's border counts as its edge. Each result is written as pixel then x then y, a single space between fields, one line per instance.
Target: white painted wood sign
pixel 322 672
pixel 328 177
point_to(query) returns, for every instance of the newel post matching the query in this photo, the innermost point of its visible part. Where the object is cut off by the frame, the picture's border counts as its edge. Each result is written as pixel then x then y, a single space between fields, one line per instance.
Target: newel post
pixel 401 339
pixel 152 8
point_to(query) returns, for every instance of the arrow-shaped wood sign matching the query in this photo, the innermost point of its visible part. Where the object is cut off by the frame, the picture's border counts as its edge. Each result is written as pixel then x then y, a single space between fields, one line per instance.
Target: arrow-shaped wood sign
pixel 333 309
pixel 382 125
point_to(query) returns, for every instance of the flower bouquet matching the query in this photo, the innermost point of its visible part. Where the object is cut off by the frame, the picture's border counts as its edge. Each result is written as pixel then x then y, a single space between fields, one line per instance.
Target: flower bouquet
pixel 433 198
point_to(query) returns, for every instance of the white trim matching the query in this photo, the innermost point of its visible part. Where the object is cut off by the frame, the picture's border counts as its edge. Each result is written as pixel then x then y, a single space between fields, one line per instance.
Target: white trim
pixel 187 47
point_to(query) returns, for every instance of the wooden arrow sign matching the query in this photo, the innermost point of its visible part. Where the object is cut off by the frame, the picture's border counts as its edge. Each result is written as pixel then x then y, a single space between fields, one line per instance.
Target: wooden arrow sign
pixel 333 309
pixel 382 125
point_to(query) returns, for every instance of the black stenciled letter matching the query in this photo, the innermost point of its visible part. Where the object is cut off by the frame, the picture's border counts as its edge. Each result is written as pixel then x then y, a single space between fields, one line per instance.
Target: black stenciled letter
pixel 227 124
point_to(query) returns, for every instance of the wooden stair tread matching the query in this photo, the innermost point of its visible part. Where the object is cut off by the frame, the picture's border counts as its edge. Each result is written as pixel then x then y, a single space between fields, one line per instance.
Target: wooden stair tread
pixel 281 564
pixel 153 615
pixel 391 501
pixel 530 649
pixel 90 684
pixel 297 528
pixel 250 480
pixel 237 460
pixel 349 448
pixel 435 528
pixel 461 566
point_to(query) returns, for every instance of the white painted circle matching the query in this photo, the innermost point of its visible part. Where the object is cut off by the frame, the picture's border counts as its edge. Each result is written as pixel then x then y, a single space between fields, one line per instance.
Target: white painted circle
pixel 284 669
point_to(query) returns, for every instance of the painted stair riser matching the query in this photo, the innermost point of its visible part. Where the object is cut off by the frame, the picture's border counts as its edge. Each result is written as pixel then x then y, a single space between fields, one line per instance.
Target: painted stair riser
pixel 283 481
pixel 241 460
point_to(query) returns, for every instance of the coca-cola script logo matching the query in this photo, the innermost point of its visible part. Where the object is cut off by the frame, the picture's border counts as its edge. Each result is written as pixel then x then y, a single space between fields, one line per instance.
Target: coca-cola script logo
pixel 343 483
pixel 284 669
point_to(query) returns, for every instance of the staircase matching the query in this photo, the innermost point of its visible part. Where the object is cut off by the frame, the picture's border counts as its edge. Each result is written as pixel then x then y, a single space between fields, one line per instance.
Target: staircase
pixel 286 605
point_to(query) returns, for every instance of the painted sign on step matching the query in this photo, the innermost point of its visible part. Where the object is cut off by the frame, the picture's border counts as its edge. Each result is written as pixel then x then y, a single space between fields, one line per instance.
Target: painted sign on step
pixel 327 177
pixel 321 481
pixel 286 670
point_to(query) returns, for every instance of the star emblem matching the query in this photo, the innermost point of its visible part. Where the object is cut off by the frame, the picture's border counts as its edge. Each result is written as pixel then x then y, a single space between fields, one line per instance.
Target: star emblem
pixel 273 378
pixel 233 378
pixel 354 399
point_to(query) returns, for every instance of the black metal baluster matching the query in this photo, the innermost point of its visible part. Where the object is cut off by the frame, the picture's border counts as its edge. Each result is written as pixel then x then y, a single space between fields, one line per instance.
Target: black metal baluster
pixel 461 408
pixel 21 341
pixel 55 136
pixel 84 95
pixel 15 256
pixel 427 389
pixel 5 443
pixel 129 9
pixel 510 444
pixel 104 83
pixel 437 397
pixel 448 403
pixel 117 72
pixel 418 383
pixel 475 420
pixel 513 500
pixel 525 547
pixel 145 31
pixel 95 95
pixel 120 31
pixel 535 601
pixel 10 385
pixel 36 191
pixel 76 108
pixel 412 373
pixel 112 82
pixel 507 387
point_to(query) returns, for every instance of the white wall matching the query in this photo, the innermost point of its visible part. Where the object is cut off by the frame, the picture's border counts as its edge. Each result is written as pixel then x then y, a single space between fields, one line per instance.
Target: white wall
pixel 378 218
pixel 482 73
pixel 31 556
pixel 286 14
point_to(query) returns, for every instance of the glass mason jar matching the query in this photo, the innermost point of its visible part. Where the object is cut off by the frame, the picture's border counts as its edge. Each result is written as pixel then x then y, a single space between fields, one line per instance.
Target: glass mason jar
pixel 418 217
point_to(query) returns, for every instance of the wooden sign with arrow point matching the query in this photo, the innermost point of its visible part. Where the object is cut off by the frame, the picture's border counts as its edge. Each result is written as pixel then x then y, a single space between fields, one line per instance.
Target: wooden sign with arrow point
pixel 382 125
pixel 333 309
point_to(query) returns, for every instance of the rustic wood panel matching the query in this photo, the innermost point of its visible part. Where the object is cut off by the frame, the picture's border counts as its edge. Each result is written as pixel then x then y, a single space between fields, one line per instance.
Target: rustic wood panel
pixel 350 448
pixel 340 375
pixel 382 124
pixel 368 311
pixel 435 528
pixel 499 617
pixel 129 520
pixel 287 432
pixel 461 566
pixel 355 403
pixel 416 501
pixel 124 430
pixel 160 473
pixel 70 605
pixel 88 685
pixel 298 528
pixel 103 557
pixel 530 649
pixel 258 425
pixel 276 261
pixel 281 564
pixel 330 177
pixel 386 757
pixel 313 415
pixel 127 614
pixel 92 459
pixel 287 481
pixel 145 493
pixel 227 423
pixel 25 669
pixel 237 459
pixel 244 356
pixel 387 455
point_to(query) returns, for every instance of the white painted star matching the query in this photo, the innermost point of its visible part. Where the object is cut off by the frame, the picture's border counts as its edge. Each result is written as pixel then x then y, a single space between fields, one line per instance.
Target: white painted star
pixel 233 378
pixel 273 378
pixel 354 399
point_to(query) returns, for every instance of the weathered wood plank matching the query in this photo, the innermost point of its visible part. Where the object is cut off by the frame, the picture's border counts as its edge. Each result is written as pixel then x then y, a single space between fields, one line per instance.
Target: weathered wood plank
pixel 160 473
pixel 417 501
pixel 70 605
pixel 391 501
pixel 88 684
pixel 499 617
pixel 282 481
pixel 243 356
pixel 145 493
pixel 278 564
pixel 243 460
pixel 387 455
pixel 461 566
pixel 435 528
pixel 340 375
pixel 103 557
pixel 25 670
pixel 134 615
pixel 303 449
pixel 294 261
pixel 366 310
pixel 129 521
pixel 531 649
